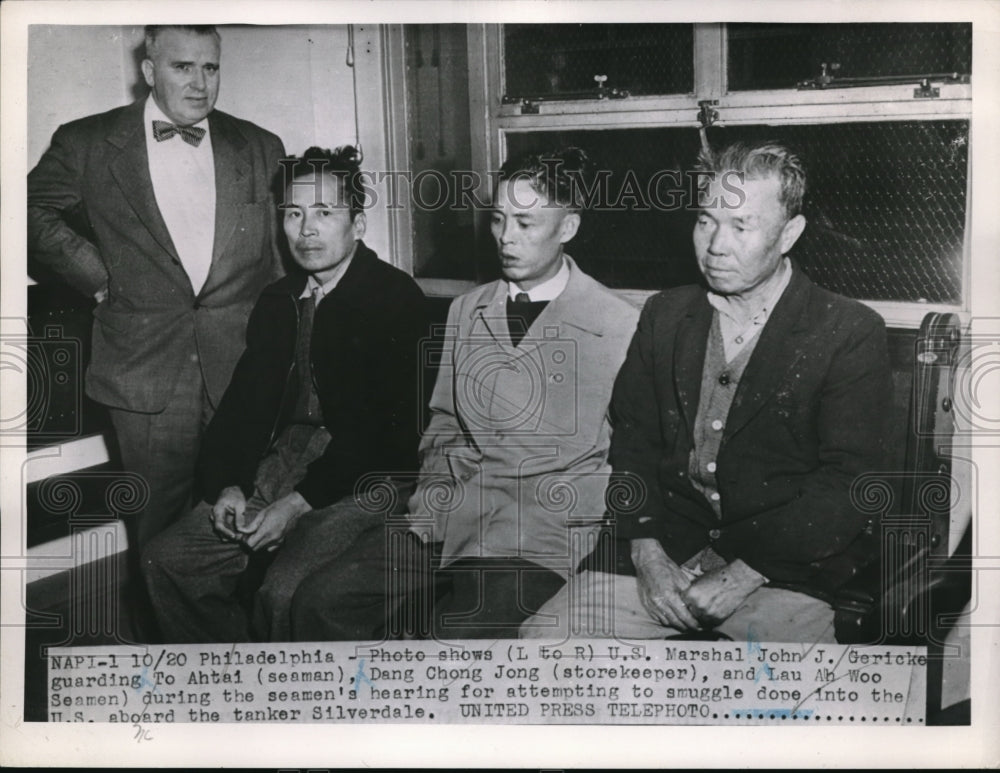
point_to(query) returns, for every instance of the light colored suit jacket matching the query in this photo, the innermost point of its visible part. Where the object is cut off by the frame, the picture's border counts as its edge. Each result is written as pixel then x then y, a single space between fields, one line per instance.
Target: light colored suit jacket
pixel 515 453
pixel 94 222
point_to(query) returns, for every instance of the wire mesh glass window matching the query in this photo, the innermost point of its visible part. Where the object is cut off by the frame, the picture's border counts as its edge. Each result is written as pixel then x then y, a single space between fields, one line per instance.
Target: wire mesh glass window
pixel 885 206
pixel 437 100
pixel 779 56
pixel 560 60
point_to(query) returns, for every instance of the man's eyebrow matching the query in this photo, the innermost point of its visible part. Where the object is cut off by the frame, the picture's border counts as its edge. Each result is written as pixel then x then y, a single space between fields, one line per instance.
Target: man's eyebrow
pixel 192 63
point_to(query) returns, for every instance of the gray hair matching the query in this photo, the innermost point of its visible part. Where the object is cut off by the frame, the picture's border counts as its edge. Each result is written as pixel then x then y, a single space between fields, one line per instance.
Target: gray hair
pixel 152 32
pixel 760 160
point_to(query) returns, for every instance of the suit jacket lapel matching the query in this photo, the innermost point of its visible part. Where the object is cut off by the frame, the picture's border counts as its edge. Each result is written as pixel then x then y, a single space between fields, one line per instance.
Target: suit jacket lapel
pixel 690 346
pixel 231 167
pixel 492 313
pixel 571 311
pixel 780 346
pixel 131 171
pixel 572 307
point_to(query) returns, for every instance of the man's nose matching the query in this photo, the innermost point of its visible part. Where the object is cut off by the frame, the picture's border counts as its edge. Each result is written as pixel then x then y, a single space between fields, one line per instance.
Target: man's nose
pixel 719 243
pixel 308 226
pixel 199 79
pixel 507 232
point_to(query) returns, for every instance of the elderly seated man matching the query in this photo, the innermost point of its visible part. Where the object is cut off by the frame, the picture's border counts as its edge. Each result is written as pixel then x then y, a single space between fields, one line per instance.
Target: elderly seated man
pixel 742 414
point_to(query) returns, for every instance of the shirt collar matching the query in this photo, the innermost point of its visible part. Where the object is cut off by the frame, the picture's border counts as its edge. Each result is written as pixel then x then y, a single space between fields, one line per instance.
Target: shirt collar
pixel 323 290
pixel 759 314
pixel 548 290
pixel 152 113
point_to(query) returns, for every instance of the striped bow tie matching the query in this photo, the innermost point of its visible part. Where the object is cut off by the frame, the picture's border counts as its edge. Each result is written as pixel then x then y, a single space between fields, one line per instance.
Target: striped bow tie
pixel 164 130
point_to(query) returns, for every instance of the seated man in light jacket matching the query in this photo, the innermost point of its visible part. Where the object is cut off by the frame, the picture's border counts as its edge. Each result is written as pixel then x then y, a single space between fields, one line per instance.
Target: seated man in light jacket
pixel 514 461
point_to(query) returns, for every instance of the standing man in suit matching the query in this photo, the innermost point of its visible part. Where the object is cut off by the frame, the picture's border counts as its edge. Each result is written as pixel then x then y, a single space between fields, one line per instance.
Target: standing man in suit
pixel 324 395
pixel 742 415
pixel 514 460
pixel 162 212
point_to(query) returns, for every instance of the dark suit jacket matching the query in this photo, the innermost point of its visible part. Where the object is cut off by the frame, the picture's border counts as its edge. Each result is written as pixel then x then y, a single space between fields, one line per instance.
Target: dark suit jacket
pixel 809 416
pixel 93 220
pixel 365 353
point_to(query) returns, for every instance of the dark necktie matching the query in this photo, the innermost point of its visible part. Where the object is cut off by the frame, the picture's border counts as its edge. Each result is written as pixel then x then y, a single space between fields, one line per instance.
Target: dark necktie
pixel 164 130
pixel 521 313
pixel 306 409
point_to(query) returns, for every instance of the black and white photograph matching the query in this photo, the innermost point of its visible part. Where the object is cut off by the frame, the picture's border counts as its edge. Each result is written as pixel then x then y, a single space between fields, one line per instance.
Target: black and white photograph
pixel 475 383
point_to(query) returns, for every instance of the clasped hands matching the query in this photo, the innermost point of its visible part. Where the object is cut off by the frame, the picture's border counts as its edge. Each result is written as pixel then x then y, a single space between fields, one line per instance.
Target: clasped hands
pixel 264 531
pixel 685 602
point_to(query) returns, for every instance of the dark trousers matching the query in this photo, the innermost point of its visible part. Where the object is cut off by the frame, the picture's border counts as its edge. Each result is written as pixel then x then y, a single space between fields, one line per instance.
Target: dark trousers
pixel 205 589
pixel 162 448
pixel 391 585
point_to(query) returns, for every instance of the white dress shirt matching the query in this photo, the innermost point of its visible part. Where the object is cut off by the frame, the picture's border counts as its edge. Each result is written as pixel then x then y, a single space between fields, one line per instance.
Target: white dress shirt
pixel 548 290
pixel 184 185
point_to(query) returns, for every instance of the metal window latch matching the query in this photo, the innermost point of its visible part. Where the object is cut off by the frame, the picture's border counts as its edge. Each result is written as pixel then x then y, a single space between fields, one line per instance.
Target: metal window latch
pixel 603 92
pixel 707 115
pixel 926 91
pixel 530 105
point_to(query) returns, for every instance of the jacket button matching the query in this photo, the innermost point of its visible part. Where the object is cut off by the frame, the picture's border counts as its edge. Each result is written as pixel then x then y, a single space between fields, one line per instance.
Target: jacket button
pixel 197 305
pixel 714 534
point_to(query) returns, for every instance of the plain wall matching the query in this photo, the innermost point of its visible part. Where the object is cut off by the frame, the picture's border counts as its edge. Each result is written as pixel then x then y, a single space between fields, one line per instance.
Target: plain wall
pixel 292 80
pixel 75 71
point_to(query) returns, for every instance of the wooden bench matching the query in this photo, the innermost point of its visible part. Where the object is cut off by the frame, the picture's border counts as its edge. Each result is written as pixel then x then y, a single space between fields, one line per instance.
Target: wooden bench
pixel 903 598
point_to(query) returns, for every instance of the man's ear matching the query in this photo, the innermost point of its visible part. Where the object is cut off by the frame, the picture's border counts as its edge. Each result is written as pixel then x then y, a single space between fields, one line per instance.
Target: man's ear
pixel 569 227
pixel 791 232
pixel 360 225
pixel 147 72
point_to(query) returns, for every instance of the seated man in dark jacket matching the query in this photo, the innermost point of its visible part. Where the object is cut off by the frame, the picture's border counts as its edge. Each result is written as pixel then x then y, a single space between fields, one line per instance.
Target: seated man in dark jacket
pixel 322 396
pixel 742 415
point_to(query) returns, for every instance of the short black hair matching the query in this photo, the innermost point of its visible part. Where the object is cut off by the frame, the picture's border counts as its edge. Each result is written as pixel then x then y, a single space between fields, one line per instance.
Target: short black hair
pixel 559 175
pixel 343 162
